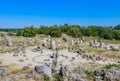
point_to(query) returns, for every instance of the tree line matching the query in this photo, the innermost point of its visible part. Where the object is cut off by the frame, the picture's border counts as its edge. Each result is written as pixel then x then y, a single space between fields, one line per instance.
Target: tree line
pixel 106 32
pixel 15 30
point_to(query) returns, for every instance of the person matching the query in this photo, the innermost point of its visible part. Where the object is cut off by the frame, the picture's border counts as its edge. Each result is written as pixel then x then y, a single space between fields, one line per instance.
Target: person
pixel 94 57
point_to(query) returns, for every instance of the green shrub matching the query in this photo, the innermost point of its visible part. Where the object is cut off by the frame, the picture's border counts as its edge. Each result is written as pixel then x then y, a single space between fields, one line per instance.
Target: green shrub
pixel 89 74
pixel 11 34
pixel 46 78
pixel 20 33
pixel 53 31
pixel 111 65
pixel 29 31
pixel 65 39
pixel 74 31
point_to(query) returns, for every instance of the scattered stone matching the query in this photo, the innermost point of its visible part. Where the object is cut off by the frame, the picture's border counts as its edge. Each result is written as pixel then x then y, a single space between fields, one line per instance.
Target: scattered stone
pixel 2 71
pixel 21 60
pixel 107 74
pixel 43 69
pixel 62 72
pixel 73 58
pixel 91 43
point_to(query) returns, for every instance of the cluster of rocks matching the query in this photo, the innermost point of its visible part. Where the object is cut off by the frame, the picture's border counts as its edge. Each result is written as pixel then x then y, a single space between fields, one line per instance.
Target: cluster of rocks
pixel 100 44
pixel 95 43
pixel 39 48
pixel 78 42
pixel 7 38
pixel 111 47
pixel 81 53
pixel 112 74
pixel 27 75
pixel 31 41
pixel 74 74
pixel 115 48
pixel 92 57
pixel 65 72
pixel 20 50
pixel 71 49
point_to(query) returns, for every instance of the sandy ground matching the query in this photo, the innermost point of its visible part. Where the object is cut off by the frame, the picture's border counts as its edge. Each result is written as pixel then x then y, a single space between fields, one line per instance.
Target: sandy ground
pixel 36 58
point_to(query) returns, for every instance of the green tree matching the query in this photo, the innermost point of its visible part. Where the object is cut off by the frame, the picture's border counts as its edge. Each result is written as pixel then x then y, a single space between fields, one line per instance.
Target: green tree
pixel 29 31
pixel 108 66
pixel 64 28
pixel 107 33
pixel 74 31
pixel 53 31
pixel 117 34
pixel 90 31
pixel 42 30
pixel 20 33
pixel 117 27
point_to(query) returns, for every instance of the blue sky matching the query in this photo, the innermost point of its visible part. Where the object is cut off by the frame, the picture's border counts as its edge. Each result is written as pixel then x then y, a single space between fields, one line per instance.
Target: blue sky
pixel 20 13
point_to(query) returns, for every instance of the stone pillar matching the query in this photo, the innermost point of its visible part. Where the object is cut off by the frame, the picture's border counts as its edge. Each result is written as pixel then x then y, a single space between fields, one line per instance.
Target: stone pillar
pixel 9 40
pixel 81 41
pixel 95 41
pixel 91 43
pixel 71 42
pixel 70 49
pixel 83 38
pixel 100 43
pixel 9 43
pixel 44 43
pixel 52 45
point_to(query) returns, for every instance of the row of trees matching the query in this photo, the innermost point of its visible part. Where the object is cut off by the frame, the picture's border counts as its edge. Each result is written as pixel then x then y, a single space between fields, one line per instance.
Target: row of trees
pixel 73 30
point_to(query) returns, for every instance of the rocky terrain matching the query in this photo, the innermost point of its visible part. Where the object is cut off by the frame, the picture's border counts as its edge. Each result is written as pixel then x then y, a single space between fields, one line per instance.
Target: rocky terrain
pixel 44 58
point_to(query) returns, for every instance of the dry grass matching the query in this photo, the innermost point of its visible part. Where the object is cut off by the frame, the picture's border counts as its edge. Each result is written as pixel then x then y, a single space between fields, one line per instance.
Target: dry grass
pixel 104 40
pixel 1 61
pixel 90 50
pixel 13 68
pixel 92 66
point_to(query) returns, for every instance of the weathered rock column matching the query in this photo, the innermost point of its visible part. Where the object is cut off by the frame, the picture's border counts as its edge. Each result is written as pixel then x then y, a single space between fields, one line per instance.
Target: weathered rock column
pixel 52 44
